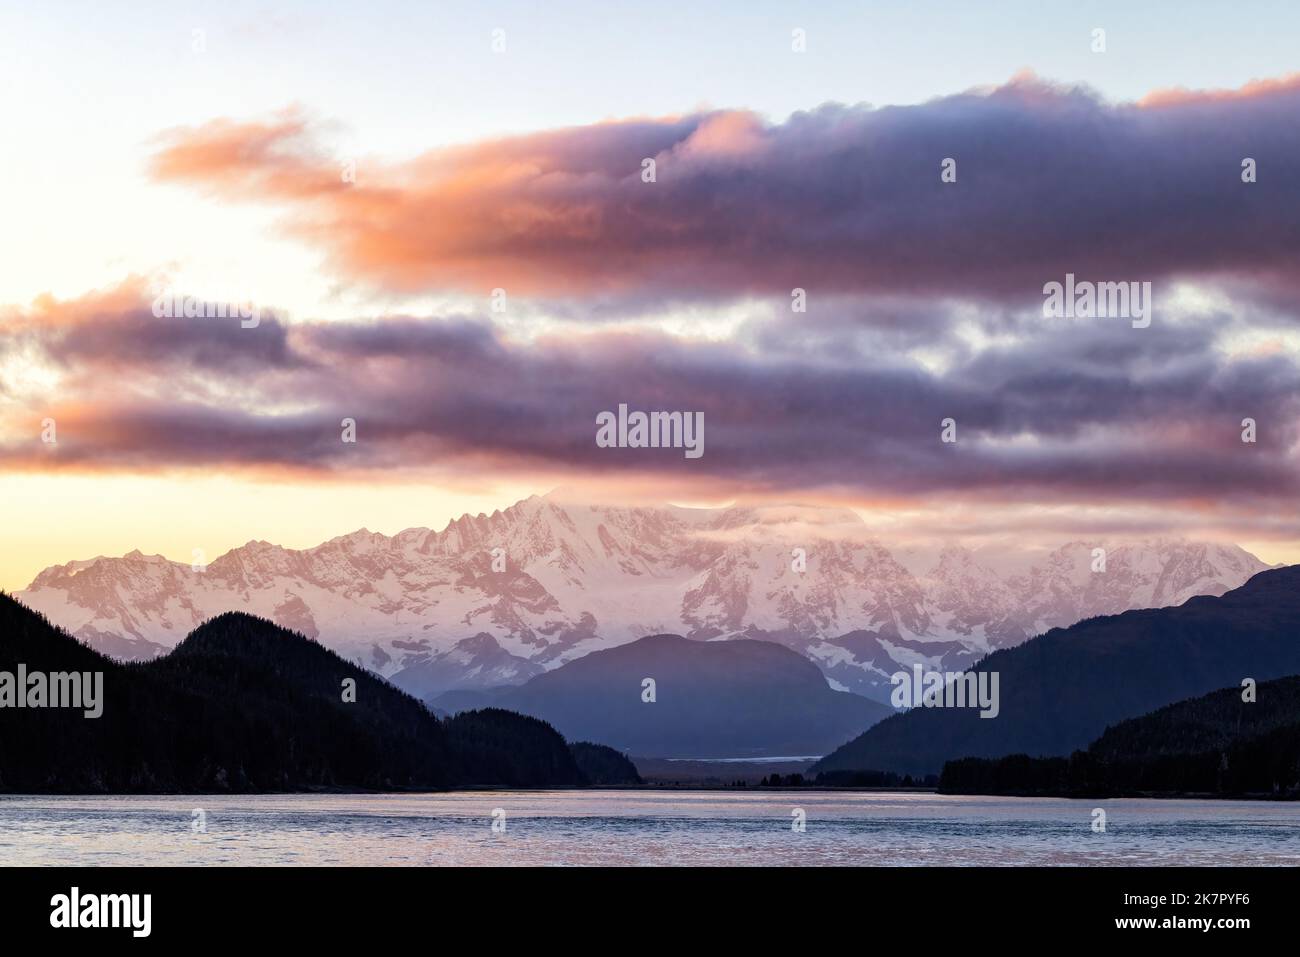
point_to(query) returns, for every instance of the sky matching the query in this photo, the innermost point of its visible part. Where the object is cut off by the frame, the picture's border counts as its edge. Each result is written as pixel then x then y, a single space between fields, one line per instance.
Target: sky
pixel 365 179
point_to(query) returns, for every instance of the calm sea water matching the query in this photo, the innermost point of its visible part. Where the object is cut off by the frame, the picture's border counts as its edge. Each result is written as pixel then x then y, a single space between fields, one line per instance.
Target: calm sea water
pixel 637 827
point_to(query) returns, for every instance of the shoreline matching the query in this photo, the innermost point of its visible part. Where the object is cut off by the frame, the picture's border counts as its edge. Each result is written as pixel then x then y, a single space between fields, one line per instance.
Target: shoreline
pixel 642 788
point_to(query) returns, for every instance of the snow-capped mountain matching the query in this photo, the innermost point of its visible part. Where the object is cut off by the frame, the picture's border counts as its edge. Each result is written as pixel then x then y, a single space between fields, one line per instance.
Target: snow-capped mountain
pixel 494 599
pixel 474 663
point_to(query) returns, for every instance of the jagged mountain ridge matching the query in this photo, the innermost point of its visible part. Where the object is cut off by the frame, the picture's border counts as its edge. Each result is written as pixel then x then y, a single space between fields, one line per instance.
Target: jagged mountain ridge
pixel 492 600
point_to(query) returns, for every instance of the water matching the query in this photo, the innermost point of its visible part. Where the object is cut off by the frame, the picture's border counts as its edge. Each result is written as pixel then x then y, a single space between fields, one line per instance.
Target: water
pixel 641 827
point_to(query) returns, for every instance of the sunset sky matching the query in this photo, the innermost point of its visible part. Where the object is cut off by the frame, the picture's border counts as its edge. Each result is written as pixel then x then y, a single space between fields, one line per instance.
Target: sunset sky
pixel 208 149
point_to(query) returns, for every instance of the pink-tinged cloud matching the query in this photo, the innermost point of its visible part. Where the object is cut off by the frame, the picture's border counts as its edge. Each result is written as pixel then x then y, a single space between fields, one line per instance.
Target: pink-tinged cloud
pixel 1181 96
pixel 844 199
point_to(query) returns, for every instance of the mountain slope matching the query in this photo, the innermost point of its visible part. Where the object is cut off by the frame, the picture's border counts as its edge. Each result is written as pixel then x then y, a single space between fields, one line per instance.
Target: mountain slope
pixel 1208 723
pixel 602 766
pixel 494 599
pixel 1060 691
pixel 1214 744
pixel 739 698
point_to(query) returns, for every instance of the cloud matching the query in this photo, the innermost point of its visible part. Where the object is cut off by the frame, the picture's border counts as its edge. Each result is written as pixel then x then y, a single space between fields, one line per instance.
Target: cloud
pixel 1085 411
pixel 839 200
pixel 925 305
pixel 111 330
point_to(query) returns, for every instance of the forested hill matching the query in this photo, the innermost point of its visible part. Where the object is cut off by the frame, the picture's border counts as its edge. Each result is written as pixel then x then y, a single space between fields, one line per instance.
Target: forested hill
pixel 1215 744
pixel 244 705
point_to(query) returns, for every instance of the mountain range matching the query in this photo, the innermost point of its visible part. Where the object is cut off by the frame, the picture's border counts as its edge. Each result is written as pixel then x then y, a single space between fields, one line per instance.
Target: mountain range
pixel 1061 690
pixel 498 599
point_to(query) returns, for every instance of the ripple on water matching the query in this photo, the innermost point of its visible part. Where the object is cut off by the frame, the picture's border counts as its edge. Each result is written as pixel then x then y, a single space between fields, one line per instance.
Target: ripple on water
pixel 641 827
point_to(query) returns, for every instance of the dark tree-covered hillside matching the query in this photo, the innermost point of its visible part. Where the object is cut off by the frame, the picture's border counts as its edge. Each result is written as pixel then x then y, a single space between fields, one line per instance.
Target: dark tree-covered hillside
pixel 503 748
pixel 602 766
pixel 244 705
pixel 1214 744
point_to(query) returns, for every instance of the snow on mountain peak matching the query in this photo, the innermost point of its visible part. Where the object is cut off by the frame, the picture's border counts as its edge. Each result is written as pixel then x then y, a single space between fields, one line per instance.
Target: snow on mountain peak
pixel 550 578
